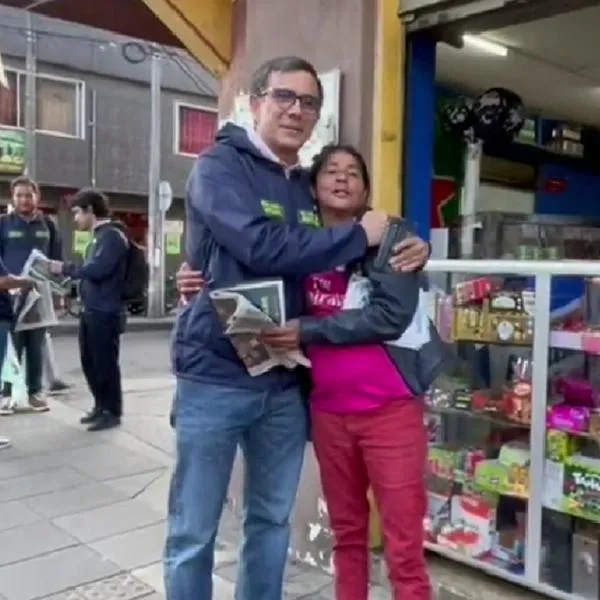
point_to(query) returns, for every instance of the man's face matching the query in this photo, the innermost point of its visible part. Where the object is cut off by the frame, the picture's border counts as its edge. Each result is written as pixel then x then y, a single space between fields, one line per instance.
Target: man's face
pixel 24 199
pixel 287 111
pixel 84 218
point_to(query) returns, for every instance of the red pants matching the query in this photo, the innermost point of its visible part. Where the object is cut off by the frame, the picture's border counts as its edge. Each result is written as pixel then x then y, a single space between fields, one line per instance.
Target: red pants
pixel 386 449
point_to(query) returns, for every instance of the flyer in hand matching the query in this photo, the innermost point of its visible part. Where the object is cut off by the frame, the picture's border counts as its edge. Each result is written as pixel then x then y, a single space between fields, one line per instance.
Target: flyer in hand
pixel 246 310
pixel 37 267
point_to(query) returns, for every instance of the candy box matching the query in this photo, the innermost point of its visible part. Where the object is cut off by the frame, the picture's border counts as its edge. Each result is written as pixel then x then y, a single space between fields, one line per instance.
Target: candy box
pixel 565 417
pixel 560 445
pixel 581 487
pixel 443 461
pixel 473 526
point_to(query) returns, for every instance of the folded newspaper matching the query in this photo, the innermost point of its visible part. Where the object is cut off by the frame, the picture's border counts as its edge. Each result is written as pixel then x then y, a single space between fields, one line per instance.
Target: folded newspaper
pixel 245 311
pixel 34 308
pixel 37 266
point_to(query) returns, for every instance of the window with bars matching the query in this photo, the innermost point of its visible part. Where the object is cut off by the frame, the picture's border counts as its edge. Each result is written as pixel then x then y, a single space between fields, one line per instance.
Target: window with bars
pixel 59 104
pixel 195 129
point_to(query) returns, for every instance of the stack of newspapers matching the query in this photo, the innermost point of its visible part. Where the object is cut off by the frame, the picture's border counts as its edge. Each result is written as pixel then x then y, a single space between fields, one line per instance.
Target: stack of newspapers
pixel 245 311
pixel 34 308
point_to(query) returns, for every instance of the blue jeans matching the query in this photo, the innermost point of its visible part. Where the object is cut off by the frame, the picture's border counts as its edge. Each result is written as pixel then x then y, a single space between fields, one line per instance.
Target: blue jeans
pixel 210 421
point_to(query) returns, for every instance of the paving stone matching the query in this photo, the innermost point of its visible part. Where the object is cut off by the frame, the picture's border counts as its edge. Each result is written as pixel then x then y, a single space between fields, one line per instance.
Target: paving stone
pixel 21 543
pixel 16 514
pixel 68 595
pixel 54 437
pixel 28 465
pixel 40 483
pixel 133 485
pixel 52 573
pixel 134 549
pixel 106 461
pixel 151 575
pixel 106 521
pixel 310 582
pixel 222 589
pixel 120 587
pixel 74 500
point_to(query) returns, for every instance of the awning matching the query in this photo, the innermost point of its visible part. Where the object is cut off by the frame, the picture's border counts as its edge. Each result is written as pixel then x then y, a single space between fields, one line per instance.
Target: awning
pixel 202 27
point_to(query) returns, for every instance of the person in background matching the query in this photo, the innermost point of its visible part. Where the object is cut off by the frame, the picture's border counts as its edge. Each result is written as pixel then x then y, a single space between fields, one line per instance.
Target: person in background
pixel 22 230
pixel 249 214
pixel 7 282
pixel 102 277
pixel 366 407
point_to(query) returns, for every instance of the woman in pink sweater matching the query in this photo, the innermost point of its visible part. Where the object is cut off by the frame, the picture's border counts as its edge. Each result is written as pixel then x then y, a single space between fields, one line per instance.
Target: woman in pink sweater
pixel 366 409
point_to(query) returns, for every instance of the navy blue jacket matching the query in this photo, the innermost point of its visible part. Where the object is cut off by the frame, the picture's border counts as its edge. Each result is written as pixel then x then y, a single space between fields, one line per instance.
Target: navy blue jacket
pixel 18 237
pixel 102 273
pixel 248 218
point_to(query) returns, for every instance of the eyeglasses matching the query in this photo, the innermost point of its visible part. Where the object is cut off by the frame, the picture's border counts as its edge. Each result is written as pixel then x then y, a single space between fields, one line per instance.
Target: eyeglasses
pixel 285 99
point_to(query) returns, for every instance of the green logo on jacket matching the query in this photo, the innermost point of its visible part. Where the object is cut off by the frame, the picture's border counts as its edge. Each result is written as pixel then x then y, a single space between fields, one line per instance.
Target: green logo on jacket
pixel 309 217
pixel 273 210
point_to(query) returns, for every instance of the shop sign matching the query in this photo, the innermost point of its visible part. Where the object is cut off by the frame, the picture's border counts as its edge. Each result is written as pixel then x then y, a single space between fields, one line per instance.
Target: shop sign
pixel 12 152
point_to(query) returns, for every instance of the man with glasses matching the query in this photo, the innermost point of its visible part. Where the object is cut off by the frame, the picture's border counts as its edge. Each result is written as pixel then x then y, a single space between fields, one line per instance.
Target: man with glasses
pixel 250 214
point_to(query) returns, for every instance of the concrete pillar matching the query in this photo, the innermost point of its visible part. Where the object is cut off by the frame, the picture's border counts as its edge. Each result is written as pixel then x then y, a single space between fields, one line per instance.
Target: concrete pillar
pixel 333 34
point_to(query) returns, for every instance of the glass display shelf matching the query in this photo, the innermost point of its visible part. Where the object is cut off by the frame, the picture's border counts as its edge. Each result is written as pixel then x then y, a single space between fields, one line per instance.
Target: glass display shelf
pixel 513 481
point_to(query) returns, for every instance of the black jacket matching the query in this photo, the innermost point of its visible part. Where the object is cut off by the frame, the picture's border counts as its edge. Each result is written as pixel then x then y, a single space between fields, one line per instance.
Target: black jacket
pixel 390 311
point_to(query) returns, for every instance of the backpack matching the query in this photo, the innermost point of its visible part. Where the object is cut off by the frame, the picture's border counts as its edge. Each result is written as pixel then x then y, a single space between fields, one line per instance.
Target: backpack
pixel 137 272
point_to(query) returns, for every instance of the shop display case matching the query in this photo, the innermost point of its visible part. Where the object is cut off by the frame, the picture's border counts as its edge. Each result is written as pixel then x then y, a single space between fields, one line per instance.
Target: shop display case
pixel 531 237
pixel 513 478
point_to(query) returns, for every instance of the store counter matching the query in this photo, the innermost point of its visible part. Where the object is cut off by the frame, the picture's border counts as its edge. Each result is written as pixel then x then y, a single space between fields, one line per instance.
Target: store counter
pixel 513 477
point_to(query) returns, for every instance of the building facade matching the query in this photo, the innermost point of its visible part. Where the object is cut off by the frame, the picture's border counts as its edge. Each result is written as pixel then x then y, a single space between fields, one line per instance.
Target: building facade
pixel 93 114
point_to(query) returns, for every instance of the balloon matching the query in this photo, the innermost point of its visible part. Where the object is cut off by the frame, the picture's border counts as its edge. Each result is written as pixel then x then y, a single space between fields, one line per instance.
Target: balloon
pixel 498 115
pixel 457 117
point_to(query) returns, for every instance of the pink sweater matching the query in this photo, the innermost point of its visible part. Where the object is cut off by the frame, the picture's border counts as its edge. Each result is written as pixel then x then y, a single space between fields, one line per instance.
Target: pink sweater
pixel 347 379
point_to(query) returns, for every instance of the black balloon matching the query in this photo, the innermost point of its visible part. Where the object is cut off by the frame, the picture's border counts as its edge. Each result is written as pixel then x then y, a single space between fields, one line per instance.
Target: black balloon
pixel 497 115
pixel 457 116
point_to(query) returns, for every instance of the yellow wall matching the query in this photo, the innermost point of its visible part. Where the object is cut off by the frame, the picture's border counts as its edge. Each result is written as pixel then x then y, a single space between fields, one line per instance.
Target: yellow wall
pixel 388 109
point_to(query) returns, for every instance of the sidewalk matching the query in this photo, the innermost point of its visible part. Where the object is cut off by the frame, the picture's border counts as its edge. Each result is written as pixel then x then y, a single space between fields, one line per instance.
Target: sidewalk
pixel 82 515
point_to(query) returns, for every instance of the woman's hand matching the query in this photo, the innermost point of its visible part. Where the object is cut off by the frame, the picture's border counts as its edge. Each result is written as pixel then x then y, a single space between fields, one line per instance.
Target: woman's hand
pixel 283 338
pixel 188 282
pixel 410 255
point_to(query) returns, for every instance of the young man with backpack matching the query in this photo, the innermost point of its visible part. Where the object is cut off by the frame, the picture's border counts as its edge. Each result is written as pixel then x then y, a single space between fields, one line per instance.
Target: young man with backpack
pixel 113 270
pixel 24 228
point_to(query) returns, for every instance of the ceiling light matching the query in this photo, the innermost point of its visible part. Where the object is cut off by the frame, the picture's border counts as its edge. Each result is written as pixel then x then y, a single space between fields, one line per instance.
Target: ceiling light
pixel 479 43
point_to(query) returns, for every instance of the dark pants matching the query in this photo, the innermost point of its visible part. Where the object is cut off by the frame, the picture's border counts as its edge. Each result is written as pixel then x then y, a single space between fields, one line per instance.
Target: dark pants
pixel 31 344
pixel 99 341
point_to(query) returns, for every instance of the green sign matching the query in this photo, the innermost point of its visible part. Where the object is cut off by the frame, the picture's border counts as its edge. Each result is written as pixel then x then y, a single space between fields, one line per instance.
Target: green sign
pixel 81 240
pixel 12 152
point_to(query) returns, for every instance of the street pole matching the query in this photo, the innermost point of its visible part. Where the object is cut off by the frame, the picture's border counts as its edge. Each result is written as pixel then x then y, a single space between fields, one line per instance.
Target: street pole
pixel 30 116
pixel 155 214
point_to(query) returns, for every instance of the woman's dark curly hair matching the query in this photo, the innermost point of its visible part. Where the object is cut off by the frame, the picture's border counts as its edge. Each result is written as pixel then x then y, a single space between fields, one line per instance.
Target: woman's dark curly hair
pixel 321 159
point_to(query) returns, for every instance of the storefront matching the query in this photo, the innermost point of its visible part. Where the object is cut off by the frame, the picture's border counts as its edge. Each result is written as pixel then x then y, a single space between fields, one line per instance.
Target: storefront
pixel 514 456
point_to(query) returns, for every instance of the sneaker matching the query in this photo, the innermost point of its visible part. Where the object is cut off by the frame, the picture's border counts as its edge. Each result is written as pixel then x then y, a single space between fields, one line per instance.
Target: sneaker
pixel 37 403
pixel 4 443
pixel 6 409
pixel 58 387
pixel 91 417
pixel 105 421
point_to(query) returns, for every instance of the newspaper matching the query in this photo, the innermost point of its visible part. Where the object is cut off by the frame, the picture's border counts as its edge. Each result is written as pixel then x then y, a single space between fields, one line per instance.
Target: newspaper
pixel 37 267
pixel 34 308
pixel 245 311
